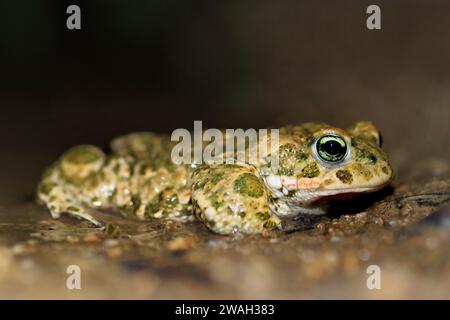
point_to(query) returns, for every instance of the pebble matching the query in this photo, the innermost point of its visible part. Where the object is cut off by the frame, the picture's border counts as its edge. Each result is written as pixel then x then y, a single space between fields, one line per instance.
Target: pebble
pixel 364 254
pixel 22 248
pixel 111 242
pixel 114 252
pixel 321 228
pixel 181 243
pixel 72 239
pixel 92 237
pixel 32 242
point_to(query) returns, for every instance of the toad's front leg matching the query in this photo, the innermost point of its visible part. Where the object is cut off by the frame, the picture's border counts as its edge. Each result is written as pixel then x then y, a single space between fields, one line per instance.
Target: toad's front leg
pixel 230 199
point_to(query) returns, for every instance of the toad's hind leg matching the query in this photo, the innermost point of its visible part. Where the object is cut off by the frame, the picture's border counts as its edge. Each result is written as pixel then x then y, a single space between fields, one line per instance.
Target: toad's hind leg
pixel 62 188
pixel 230 199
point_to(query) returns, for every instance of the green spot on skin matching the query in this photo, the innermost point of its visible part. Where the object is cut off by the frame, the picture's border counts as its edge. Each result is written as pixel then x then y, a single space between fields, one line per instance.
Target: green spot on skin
pixel 95 201
pixel 374 141
pixel 207 178
pixel 345 176
pixel 48 172
pixel 216 177
pixel 263 216
pixel 232 166
pixel 301 156
pixel 46 188
pixel 215 201
pixel 83 154
pixel 131 208
pixel 362 154
pixel 365 156
pixel 248 184
pixel 385 170
pixel 153 207
pixel 200 184
pixel 136 199
pixel 287 150
pixel 73 209
pixel 168 198
pixel 211 223
pixel 172 201
pixel 270 224
pixel 310 171
pixel 94 179
pixel 116 168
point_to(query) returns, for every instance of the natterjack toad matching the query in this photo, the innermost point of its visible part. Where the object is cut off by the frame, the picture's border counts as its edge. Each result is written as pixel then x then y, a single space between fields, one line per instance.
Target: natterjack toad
pixel 315 162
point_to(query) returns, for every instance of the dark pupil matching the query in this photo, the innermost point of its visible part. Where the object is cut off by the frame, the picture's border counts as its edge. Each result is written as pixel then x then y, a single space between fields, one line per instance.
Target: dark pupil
pixel 333 148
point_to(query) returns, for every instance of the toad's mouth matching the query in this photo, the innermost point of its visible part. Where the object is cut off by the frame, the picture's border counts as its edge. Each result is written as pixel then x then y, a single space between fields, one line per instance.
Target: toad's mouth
pixel 308 190
pixel 341 192
pixel 317 196
pixel 342 196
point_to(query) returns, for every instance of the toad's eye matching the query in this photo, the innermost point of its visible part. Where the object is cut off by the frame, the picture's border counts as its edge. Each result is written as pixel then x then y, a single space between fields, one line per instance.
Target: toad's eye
pixel 331 148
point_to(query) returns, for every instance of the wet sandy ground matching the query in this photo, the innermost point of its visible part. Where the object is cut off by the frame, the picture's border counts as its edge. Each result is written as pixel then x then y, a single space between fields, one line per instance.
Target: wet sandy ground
pixel 405 230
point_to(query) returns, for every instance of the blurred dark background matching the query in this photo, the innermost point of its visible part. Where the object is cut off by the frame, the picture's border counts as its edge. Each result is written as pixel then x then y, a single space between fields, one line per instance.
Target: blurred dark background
pixel 159 65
